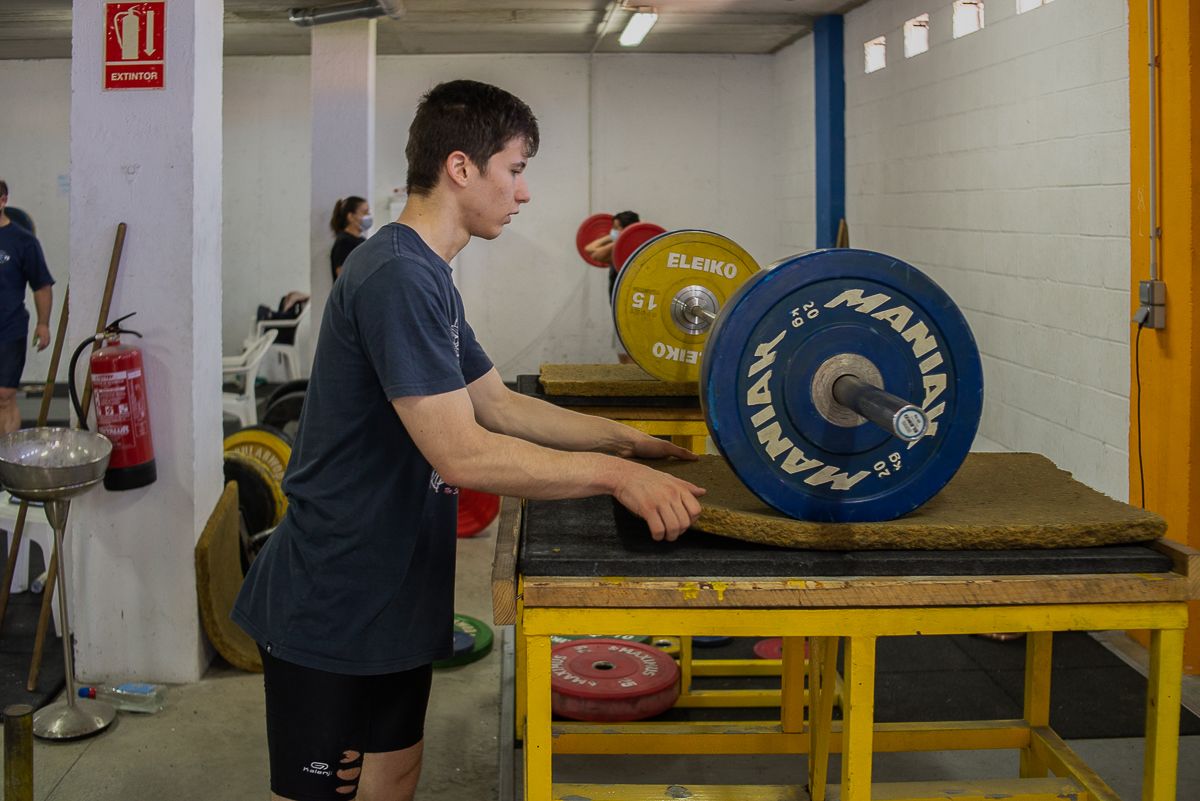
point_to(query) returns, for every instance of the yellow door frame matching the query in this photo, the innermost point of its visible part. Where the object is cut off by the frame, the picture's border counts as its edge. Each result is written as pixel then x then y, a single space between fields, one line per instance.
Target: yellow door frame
pixel 1170 403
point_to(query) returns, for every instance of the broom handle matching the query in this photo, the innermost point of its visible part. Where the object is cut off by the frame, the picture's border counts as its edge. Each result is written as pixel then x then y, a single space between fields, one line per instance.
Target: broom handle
pixel 39 642
pixel 43 414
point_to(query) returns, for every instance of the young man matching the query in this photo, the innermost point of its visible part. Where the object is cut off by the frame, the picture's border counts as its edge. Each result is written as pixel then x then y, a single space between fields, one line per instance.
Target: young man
pixel 21 264
pixel 352 598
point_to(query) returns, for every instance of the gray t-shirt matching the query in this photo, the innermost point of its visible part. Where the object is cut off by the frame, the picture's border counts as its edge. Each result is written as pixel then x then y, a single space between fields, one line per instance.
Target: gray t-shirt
pixel 359 576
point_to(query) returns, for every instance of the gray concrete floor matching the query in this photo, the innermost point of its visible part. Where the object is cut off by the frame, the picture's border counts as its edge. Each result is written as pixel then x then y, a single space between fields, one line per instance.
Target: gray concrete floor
pixel 209 743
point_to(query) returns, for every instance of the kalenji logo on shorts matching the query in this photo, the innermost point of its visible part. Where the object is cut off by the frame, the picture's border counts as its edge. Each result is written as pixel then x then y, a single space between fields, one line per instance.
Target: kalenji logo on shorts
pixel 318 769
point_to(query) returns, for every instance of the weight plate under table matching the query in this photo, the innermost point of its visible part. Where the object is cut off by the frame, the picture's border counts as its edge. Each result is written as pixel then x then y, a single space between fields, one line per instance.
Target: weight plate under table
pixel 611 680
pixel 767 373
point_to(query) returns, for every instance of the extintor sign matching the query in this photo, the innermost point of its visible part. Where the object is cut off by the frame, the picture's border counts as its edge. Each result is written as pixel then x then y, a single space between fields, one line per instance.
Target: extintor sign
pixel 134 45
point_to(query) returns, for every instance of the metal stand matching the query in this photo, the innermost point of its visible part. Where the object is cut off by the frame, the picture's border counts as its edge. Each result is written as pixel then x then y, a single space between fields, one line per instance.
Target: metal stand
pixel 54 465
pixel 75 717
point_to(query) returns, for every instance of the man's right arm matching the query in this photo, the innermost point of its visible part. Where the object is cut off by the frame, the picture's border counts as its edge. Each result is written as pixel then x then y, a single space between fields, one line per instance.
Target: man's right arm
pixel 466 454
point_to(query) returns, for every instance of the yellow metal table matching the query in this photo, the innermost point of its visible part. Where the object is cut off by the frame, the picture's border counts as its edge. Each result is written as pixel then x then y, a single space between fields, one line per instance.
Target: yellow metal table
pixel 856 612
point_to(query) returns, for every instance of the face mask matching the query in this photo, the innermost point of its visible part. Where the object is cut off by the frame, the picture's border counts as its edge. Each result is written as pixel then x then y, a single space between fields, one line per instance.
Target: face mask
pixel 365 224
pixel 614 233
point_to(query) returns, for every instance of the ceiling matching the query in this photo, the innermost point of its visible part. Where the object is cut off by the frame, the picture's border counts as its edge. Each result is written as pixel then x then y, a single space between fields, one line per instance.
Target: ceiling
pixel 42 28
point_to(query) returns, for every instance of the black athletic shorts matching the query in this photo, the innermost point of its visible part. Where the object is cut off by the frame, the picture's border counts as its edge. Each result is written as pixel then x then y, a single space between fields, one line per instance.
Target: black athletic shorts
pixel 320 724
pixel 12 362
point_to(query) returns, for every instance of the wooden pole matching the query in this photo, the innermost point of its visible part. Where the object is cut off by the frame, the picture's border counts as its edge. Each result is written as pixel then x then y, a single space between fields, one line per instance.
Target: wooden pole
pixel 39 642
pixel 43 414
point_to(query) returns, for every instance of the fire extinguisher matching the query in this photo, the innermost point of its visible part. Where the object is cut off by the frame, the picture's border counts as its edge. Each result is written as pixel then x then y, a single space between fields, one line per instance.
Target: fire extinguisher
pixel 122 412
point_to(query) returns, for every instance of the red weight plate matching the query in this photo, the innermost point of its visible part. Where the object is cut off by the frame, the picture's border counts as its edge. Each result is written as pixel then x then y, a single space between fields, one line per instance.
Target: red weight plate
pixel 590 230
pixel 611 680
pixel 772 648
pixel 631 239
pixel 475 510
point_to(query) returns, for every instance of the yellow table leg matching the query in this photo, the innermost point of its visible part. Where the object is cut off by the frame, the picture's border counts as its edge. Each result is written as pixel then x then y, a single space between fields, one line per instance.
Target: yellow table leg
pixel 519 674
pixel 1162 715
pixel 537 724
pixel 1038 650
pixel 685 664
pixel 822 685
pixel 695 444
pixel 792 685
pixel 858 714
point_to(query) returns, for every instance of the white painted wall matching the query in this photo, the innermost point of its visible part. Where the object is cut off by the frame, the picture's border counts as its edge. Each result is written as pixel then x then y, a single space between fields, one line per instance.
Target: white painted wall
pixel 677 138
pixel 795 148
pixel 34 160
pixel 999 164
pixel 266 195
pixel 153 160
pixel 681 159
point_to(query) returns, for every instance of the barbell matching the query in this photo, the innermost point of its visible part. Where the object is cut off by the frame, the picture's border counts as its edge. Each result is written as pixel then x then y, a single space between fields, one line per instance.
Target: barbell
pixel 840 385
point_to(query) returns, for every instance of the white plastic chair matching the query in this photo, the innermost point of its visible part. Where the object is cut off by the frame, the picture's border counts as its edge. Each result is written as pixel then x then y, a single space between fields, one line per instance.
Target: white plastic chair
pixel 37 531
pixel 289 354
pixel 242 370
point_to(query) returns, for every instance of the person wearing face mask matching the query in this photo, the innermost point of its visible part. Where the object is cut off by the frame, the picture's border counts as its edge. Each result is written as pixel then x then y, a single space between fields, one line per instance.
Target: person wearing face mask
pixel 350 222
pixel 21 264
pixel 601 249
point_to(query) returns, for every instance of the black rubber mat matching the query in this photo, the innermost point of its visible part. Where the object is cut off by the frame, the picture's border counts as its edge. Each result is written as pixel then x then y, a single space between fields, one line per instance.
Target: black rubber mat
pixel 16 650
pixel 593 537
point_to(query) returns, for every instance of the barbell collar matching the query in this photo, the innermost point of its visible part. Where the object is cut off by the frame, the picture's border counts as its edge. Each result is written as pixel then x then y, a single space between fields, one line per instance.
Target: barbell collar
pixel 893 414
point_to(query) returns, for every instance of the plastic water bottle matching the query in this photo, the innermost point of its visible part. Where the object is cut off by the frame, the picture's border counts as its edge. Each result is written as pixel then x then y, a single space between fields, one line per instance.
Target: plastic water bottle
pixel 129 697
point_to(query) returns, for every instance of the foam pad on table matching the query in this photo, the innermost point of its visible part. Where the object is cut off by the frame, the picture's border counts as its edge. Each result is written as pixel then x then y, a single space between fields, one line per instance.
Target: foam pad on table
pixel 610 381
pixel 995 501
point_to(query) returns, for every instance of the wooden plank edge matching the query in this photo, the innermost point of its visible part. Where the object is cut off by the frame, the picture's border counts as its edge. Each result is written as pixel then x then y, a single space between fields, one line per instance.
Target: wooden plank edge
pixel 1185 560
pixel 504 562
pixel 834 592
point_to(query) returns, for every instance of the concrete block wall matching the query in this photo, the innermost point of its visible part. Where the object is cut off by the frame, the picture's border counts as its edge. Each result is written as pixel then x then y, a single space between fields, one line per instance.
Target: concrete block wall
pixel 999 164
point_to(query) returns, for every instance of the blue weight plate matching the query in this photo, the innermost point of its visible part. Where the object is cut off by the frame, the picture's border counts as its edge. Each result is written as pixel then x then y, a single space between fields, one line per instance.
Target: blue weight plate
pixel 711 642
pixel 774 334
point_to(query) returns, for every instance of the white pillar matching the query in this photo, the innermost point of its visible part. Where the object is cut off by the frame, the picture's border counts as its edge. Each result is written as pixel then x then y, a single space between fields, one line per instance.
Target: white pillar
pixel 150 158
pixel 343 139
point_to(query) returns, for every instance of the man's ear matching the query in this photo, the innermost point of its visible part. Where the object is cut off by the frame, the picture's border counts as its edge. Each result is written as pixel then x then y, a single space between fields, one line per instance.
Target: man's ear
pixel 458 168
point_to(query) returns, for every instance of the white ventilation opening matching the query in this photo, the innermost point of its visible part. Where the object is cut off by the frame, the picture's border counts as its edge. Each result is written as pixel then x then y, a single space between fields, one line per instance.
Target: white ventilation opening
pixel 875 54
pixel 916 36
pixel 1030 5
pixel 968 17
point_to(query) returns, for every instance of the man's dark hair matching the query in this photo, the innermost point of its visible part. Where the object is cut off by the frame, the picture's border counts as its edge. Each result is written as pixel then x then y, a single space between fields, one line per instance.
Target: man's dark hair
pixel 3 188
pixel 626 218
pixel 476 118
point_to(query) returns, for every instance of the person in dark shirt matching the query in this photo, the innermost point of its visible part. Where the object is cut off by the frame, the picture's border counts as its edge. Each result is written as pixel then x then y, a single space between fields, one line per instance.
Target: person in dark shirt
pixel 351 600
pixel 21 264
pixel 601 249
pixel 350 221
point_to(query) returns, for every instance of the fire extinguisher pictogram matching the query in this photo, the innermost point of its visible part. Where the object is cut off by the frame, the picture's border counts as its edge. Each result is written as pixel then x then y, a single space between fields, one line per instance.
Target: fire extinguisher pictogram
pixel 122 411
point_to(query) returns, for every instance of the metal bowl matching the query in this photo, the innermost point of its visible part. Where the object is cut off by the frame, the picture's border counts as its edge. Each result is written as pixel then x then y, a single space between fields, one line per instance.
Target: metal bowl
pixel 46 463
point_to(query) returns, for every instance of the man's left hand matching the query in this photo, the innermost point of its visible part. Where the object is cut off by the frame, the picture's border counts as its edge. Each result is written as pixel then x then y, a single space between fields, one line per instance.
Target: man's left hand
pixel 41 336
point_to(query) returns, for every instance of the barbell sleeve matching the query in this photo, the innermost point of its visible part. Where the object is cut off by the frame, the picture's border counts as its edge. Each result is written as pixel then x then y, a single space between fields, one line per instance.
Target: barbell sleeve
pixel 696 310
pixel 893 414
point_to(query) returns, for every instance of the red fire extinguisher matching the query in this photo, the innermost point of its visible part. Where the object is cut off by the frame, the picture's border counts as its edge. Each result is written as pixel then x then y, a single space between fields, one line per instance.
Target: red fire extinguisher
pixel 122 413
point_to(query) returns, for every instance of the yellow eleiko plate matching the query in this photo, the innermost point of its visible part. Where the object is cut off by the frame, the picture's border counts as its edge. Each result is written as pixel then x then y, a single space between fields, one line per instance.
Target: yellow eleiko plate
pixel 665 295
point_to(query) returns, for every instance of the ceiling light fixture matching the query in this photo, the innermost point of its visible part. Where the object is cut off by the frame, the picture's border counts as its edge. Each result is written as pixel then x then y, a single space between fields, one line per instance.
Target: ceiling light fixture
pixel 340 12
pixel 638 26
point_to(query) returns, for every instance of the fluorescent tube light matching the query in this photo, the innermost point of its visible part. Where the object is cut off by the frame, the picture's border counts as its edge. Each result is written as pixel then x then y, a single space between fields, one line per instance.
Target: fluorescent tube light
pixel 636 29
